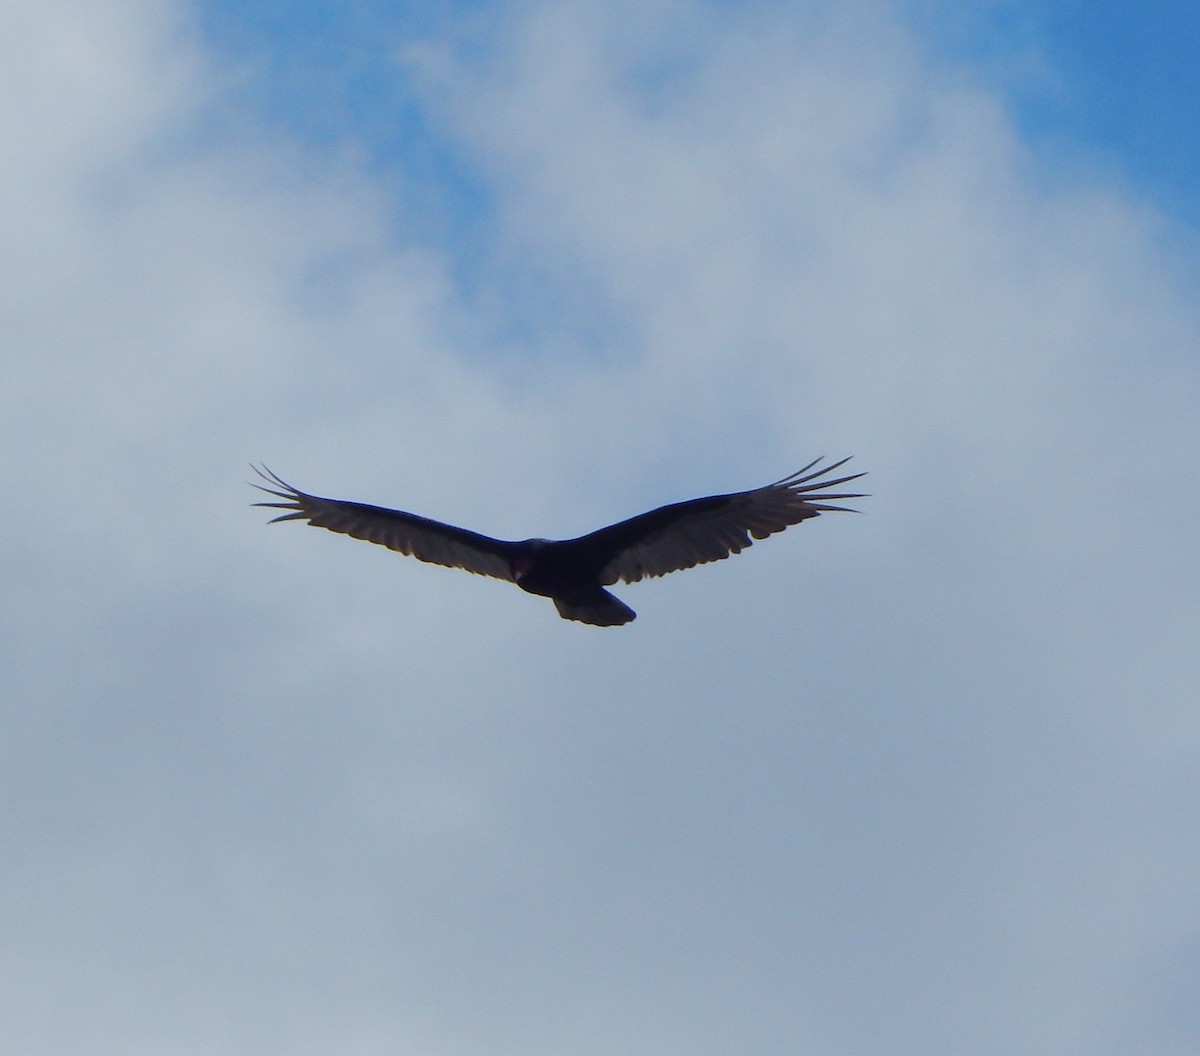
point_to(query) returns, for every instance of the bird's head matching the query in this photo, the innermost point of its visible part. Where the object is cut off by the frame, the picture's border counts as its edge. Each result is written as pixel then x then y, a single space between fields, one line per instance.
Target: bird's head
pixel 527 558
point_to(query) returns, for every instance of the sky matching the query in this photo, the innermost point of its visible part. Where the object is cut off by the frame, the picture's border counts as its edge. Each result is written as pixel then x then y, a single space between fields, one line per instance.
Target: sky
pixel 917 781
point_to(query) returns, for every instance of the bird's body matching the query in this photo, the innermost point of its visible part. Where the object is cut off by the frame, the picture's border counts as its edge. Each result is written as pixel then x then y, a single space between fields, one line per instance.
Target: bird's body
pixel 574 572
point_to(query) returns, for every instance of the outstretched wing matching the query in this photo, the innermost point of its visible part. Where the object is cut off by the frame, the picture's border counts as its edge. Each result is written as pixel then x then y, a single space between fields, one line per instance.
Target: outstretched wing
pixel 691 533
pixel 419 537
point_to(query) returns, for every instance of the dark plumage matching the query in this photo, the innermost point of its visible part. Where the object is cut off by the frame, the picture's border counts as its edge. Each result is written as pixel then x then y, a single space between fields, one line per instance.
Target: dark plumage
pixel 574 572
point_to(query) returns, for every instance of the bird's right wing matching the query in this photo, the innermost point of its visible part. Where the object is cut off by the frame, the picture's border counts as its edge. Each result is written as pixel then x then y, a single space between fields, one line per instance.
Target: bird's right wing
pixel 406 533
pixel 695 532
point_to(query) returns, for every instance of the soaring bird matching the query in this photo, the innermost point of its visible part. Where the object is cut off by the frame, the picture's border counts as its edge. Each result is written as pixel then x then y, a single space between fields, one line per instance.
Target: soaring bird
pixel 574 572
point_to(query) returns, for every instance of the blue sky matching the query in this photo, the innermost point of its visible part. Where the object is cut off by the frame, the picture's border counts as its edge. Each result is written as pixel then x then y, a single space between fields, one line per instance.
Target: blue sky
pixel 1118 82
pixel 1111 79
pixel 916 782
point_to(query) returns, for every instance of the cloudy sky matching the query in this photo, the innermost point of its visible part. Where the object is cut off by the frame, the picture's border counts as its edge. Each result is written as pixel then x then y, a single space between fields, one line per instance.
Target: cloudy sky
pixel 923 781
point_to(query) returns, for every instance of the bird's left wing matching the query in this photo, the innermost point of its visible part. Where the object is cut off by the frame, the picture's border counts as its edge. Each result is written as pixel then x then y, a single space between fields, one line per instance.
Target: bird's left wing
pixel 691 533
pixel 419 537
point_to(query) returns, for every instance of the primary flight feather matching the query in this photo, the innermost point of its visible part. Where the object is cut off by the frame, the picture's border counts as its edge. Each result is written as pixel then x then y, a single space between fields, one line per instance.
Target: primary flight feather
pixel 574 572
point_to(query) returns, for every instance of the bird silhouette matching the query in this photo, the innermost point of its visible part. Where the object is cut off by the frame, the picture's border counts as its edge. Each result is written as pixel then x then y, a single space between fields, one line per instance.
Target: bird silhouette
pixel 574 572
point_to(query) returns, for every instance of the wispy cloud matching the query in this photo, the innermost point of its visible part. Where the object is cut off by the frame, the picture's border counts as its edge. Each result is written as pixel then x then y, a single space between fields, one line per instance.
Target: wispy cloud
pixel 913 781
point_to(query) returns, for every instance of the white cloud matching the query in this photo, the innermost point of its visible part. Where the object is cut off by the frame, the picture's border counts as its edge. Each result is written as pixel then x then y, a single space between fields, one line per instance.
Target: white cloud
pixel 916 781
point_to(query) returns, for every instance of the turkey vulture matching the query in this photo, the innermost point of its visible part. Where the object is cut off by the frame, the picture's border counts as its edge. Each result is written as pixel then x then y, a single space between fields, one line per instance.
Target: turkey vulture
pixel 574 572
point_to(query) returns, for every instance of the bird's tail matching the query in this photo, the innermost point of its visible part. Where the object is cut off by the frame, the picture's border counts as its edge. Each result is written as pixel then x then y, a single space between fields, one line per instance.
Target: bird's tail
pixel 601 609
